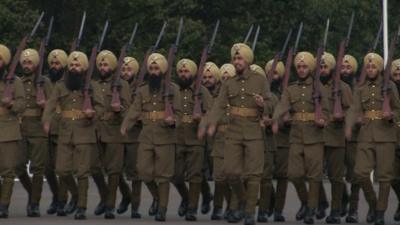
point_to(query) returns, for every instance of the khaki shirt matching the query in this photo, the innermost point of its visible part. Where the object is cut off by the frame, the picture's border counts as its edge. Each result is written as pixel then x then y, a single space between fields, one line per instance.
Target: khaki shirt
pixel 368 97
pixel 334 131
pixel 55 121
pixel 133 133
pixel 154 131
pixel 31 124
pixel 187 130
pixel 74 131
pixel 298 98
pixel 282 137
pixel 239 92
pixel 110 123
pixel 9 121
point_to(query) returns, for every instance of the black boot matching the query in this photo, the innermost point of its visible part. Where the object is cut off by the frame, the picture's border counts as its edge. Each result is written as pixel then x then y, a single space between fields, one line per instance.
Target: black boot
pixel 123 206
pixel 217 214
pixel 135 214
pixel 352 216
pixel 262 216
pixel 33 210
pixel 237 214
pixel 100 209
pixel 161 215
pixel 309 216
pixel 371 216
pixel 109 213
pixel 205 204
pixel 153 208
pixel 301 212
pixel 321 212
pixel 71 206
pixel 60 209
pixel 334 217
pixel 3 212
pixel 380 218
pixel 191 215
pixel 249 219
pixel 396 216
pixel 278 217
pixel 182 208
pixel 227 213
pixel 80 214
pixel 52 207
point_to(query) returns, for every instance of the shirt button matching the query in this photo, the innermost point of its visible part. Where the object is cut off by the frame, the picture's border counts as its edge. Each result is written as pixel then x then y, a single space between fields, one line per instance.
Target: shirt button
pixel 242 89
pixel 28 105
pixel 29 82
pixel 103 89
pixel 74 100
pixel 242 106
pixel 242 81
pixel 154 103
pixel 303 103
pixel 242 97
pixel 154 111
pixel 373 94
pixel 185 97
pixel 372 102
pixel 184 105
pixel 154 96
pixel 28 97
pixel 373 110
pixel 302 94
pixel 373 86
pixel 302 110
pixel 304 87
pixel 28 89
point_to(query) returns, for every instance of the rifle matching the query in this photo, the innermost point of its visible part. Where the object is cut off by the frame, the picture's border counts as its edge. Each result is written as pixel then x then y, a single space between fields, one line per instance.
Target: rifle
pixel 386 109
pixel 361 80
pixel 197 112
pixel 167 80
pixel 87 102
pixel 40 96
pixel 292 51
pixel 9 79
pixel 337 105
pixel 116 86
pixel 143 69
pixel 76 42
pixel 253 46
pixel 316 87
pixel 248 34
pixel 278 57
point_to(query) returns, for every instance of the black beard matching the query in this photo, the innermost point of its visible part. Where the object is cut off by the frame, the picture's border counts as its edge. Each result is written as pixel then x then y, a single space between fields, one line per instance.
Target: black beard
pixel 105 76
pixel 55 75
pixel 27 73
pixel 325 79
pixel 74 81
pixel 276 85
pixel 154 82
pixel 185 83
pixel 348 79
pixel 3 72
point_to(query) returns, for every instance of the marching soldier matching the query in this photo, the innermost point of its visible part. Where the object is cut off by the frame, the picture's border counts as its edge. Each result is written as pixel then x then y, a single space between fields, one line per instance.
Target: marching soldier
pixel 111 140
pixel 57 60
pixel 156 153
pixel 265 206
pixel 10 133
pixel 244 144
pixel 334 137
pixel 190 151
pixel 77 136
pixel 348 75
pixel 377 137
pixel 130 68
pixel 306 140
pixel 280 156
pixel 395 71
pixel 34 142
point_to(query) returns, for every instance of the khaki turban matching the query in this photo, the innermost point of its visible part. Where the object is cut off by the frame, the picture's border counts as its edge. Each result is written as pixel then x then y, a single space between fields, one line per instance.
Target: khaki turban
pixel 188 64
pixel 349 59
pixel 258 70
pixel 213 69
pixel 395 65
pixel 228 69
pixel 280 68
pixel 58 55
pixel 5 54
pixel 108 57
pixel 328 59
pixel 29 55
pixel 244 51
pixel 158 59
pixel 131 62
pixel 79 57
pixel 305 57
pixel 375 59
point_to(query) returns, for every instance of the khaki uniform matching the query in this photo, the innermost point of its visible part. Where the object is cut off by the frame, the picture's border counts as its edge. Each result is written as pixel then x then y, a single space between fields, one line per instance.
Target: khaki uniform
pixel 76 135
pixel 306 139
pixel 35 142
pixel 335 143
pixel 244 143
pixel 156 153
pixel 190 150
pixel 376 140
pixel 111 140
pixel 10 135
